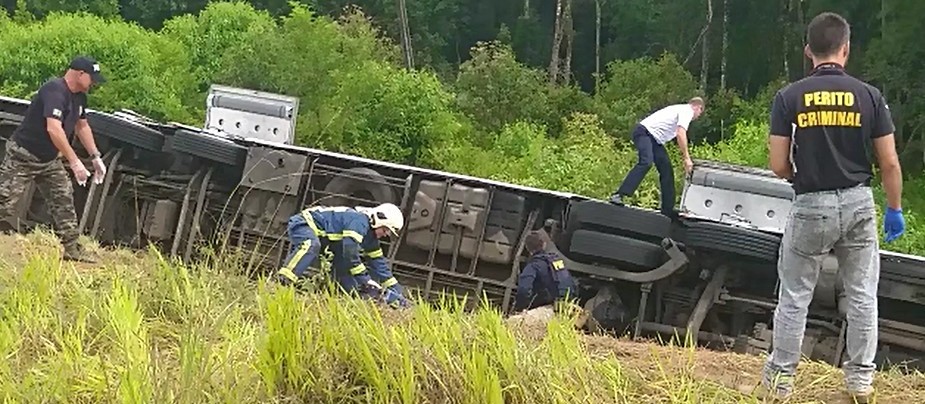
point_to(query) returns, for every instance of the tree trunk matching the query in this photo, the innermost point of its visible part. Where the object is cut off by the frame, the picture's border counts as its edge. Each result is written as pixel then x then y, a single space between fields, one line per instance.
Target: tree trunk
pixel 597 47
pixel 556 41
pixel 785 21
pixel 722 66
pixel 705 53
pixel 405 35
pixel 569 34
pixel 802 24
pixel 559 69
pixel 702 35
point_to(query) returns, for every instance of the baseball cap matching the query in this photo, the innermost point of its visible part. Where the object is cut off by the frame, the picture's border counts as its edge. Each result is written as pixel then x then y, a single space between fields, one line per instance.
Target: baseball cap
pixel 88 65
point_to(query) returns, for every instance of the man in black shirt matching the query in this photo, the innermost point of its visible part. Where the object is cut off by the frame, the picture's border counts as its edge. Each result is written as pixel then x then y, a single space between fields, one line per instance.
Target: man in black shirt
pixel 57 111
pixel 821 127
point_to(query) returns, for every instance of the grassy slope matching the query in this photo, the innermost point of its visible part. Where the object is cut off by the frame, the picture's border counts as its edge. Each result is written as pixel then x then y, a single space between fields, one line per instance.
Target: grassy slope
pixel 139 329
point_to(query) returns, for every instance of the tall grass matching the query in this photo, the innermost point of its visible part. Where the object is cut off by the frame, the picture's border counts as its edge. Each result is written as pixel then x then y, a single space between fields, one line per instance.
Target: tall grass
pixel 149 330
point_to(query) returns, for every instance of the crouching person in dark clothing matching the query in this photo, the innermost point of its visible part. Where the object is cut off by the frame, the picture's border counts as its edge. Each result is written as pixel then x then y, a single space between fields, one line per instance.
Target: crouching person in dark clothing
pixel 544 280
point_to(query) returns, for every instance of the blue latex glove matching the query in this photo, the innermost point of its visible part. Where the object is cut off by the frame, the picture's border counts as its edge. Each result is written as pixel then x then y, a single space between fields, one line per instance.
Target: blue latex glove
pixel 893 224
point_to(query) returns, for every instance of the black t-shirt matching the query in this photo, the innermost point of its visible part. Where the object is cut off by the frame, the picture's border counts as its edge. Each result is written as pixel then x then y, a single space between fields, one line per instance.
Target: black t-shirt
pixel 53 100
pixel 831 118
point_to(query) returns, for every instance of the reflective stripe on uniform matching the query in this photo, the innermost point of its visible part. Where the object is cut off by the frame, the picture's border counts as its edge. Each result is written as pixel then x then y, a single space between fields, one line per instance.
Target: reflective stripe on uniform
pixel 286 272
pixel 390 282
pixel 375 253
pixel 359 269
pixel 310 221
pixel 352 234
pixel 299 254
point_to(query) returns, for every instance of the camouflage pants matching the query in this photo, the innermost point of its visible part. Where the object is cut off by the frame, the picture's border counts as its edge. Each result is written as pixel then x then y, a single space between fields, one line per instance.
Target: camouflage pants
pixel 19 167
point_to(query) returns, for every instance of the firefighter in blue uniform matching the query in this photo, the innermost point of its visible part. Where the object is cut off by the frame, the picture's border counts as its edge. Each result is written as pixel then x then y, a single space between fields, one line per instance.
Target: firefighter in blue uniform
pixel 378 267
pixel 346 232
pixel 374 258
pixel 544 280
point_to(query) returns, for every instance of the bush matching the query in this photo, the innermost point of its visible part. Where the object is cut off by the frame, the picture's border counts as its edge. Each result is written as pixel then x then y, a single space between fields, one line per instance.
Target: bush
pixel 146 72
pixel 509 155
pixel 207 37
pixel 494 89
pixel 635 88
pixel 307 56
pixel 389 113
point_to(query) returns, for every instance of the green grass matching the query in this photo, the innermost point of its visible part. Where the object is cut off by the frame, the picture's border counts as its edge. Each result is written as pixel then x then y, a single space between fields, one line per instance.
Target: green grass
pixel 141 329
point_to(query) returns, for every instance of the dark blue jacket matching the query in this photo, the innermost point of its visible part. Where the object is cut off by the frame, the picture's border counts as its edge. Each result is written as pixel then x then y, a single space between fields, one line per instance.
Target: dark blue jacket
pixel 543 281
pixel 346 231
pixel 353 239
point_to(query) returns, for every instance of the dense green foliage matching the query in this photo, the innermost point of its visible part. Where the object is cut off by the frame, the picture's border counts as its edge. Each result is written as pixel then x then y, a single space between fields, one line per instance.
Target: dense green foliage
pixel 490 112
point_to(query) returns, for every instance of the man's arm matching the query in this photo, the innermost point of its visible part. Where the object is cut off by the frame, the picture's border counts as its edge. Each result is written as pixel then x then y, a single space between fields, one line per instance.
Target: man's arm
pixel 53 112
pixel 890 170
pixel 779 156
pixel 885 150
pixel 376 263
pixel 86 136
pixel 779 141
pixel 59 139
pixel 682 142
pixel 525 287
pixel 347 256
pixel 684 122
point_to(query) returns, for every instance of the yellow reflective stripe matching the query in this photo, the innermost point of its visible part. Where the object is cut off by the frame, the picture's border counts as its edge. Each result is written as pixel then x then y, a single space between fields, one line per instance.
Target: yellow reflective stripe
pixel 375 253
pixel 558 264
pixel 307 216
pixel 359 269
pixel 311 223
pixel 390 282
pixel 303 249
pixel 354 235
pixel 288 274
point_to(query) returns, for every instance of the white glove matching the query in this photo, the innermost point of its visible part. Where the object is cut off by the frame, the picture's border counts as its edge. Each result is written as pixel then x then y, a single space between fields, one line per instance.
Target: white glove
pixel 80 172
pixel 99 170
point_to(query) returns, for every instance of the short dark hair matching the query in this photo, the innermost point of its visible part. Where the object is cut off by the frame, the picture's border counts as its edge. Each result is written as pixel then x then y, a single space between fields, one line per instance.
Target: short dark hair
pixel 826 33
pixel 533 242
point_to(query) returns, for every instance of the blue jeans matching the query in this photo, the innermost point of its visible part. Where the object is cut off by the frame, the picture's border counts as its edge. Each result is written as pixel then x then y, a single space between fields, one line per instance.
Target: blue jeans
pixel 844 221
pixel 650 151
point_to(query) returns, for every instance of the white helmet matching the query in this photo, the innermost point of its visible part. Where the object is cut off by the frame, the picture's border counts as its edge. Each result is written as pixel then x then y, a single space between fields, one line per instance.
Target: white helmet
pixel 386 215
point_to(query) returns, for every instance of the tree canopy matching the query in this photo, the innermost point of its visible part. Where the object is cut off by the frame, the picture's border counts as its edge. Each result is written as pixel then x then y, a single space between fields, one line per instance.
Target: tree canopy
pixel 542 92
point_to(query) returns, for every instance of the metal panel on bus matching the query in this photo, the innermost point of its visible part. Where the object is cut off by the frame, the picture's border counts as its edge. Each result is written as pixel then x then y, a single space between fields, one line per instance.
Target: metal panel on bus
pixel 737 195
pixel 252 114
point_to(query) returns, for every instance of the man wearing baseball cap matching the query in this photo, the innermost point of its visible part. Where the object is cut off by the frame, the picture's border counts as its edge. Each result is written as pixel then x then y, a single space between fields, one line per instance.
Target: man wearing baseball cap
pixel 57 112
pixel 89 66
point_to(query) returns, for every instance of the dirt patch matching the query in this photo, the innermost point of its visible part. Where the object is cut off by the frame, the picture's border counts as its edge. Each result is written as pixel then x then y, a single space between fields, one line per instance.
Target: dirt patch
pixel 816 382
pixel 651 361
pixel 16 249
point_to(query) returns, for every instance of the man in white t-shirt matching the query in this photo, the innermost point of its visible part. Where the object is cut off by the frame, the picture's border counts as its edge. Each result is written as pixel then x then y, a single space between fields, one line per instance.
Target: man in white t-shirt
pixel 650 136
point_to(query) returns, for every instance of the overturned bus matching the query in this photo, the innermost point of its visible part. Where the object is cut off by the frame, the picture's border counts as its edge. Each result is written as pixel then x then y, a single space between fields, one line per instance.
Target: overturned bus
pixel 232 185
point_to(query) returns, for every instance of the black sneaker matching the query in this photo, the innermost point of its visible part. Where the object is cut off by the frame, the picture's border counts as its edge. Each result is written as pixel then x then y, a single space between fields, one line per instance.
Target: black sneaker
pixel 616 199
pixel 672 214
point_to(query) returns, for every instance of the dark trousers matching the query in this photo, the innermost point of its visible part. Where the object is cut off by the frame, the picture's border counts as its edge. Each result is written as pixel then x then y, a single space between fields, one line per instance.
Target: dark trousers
pixel 650 151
